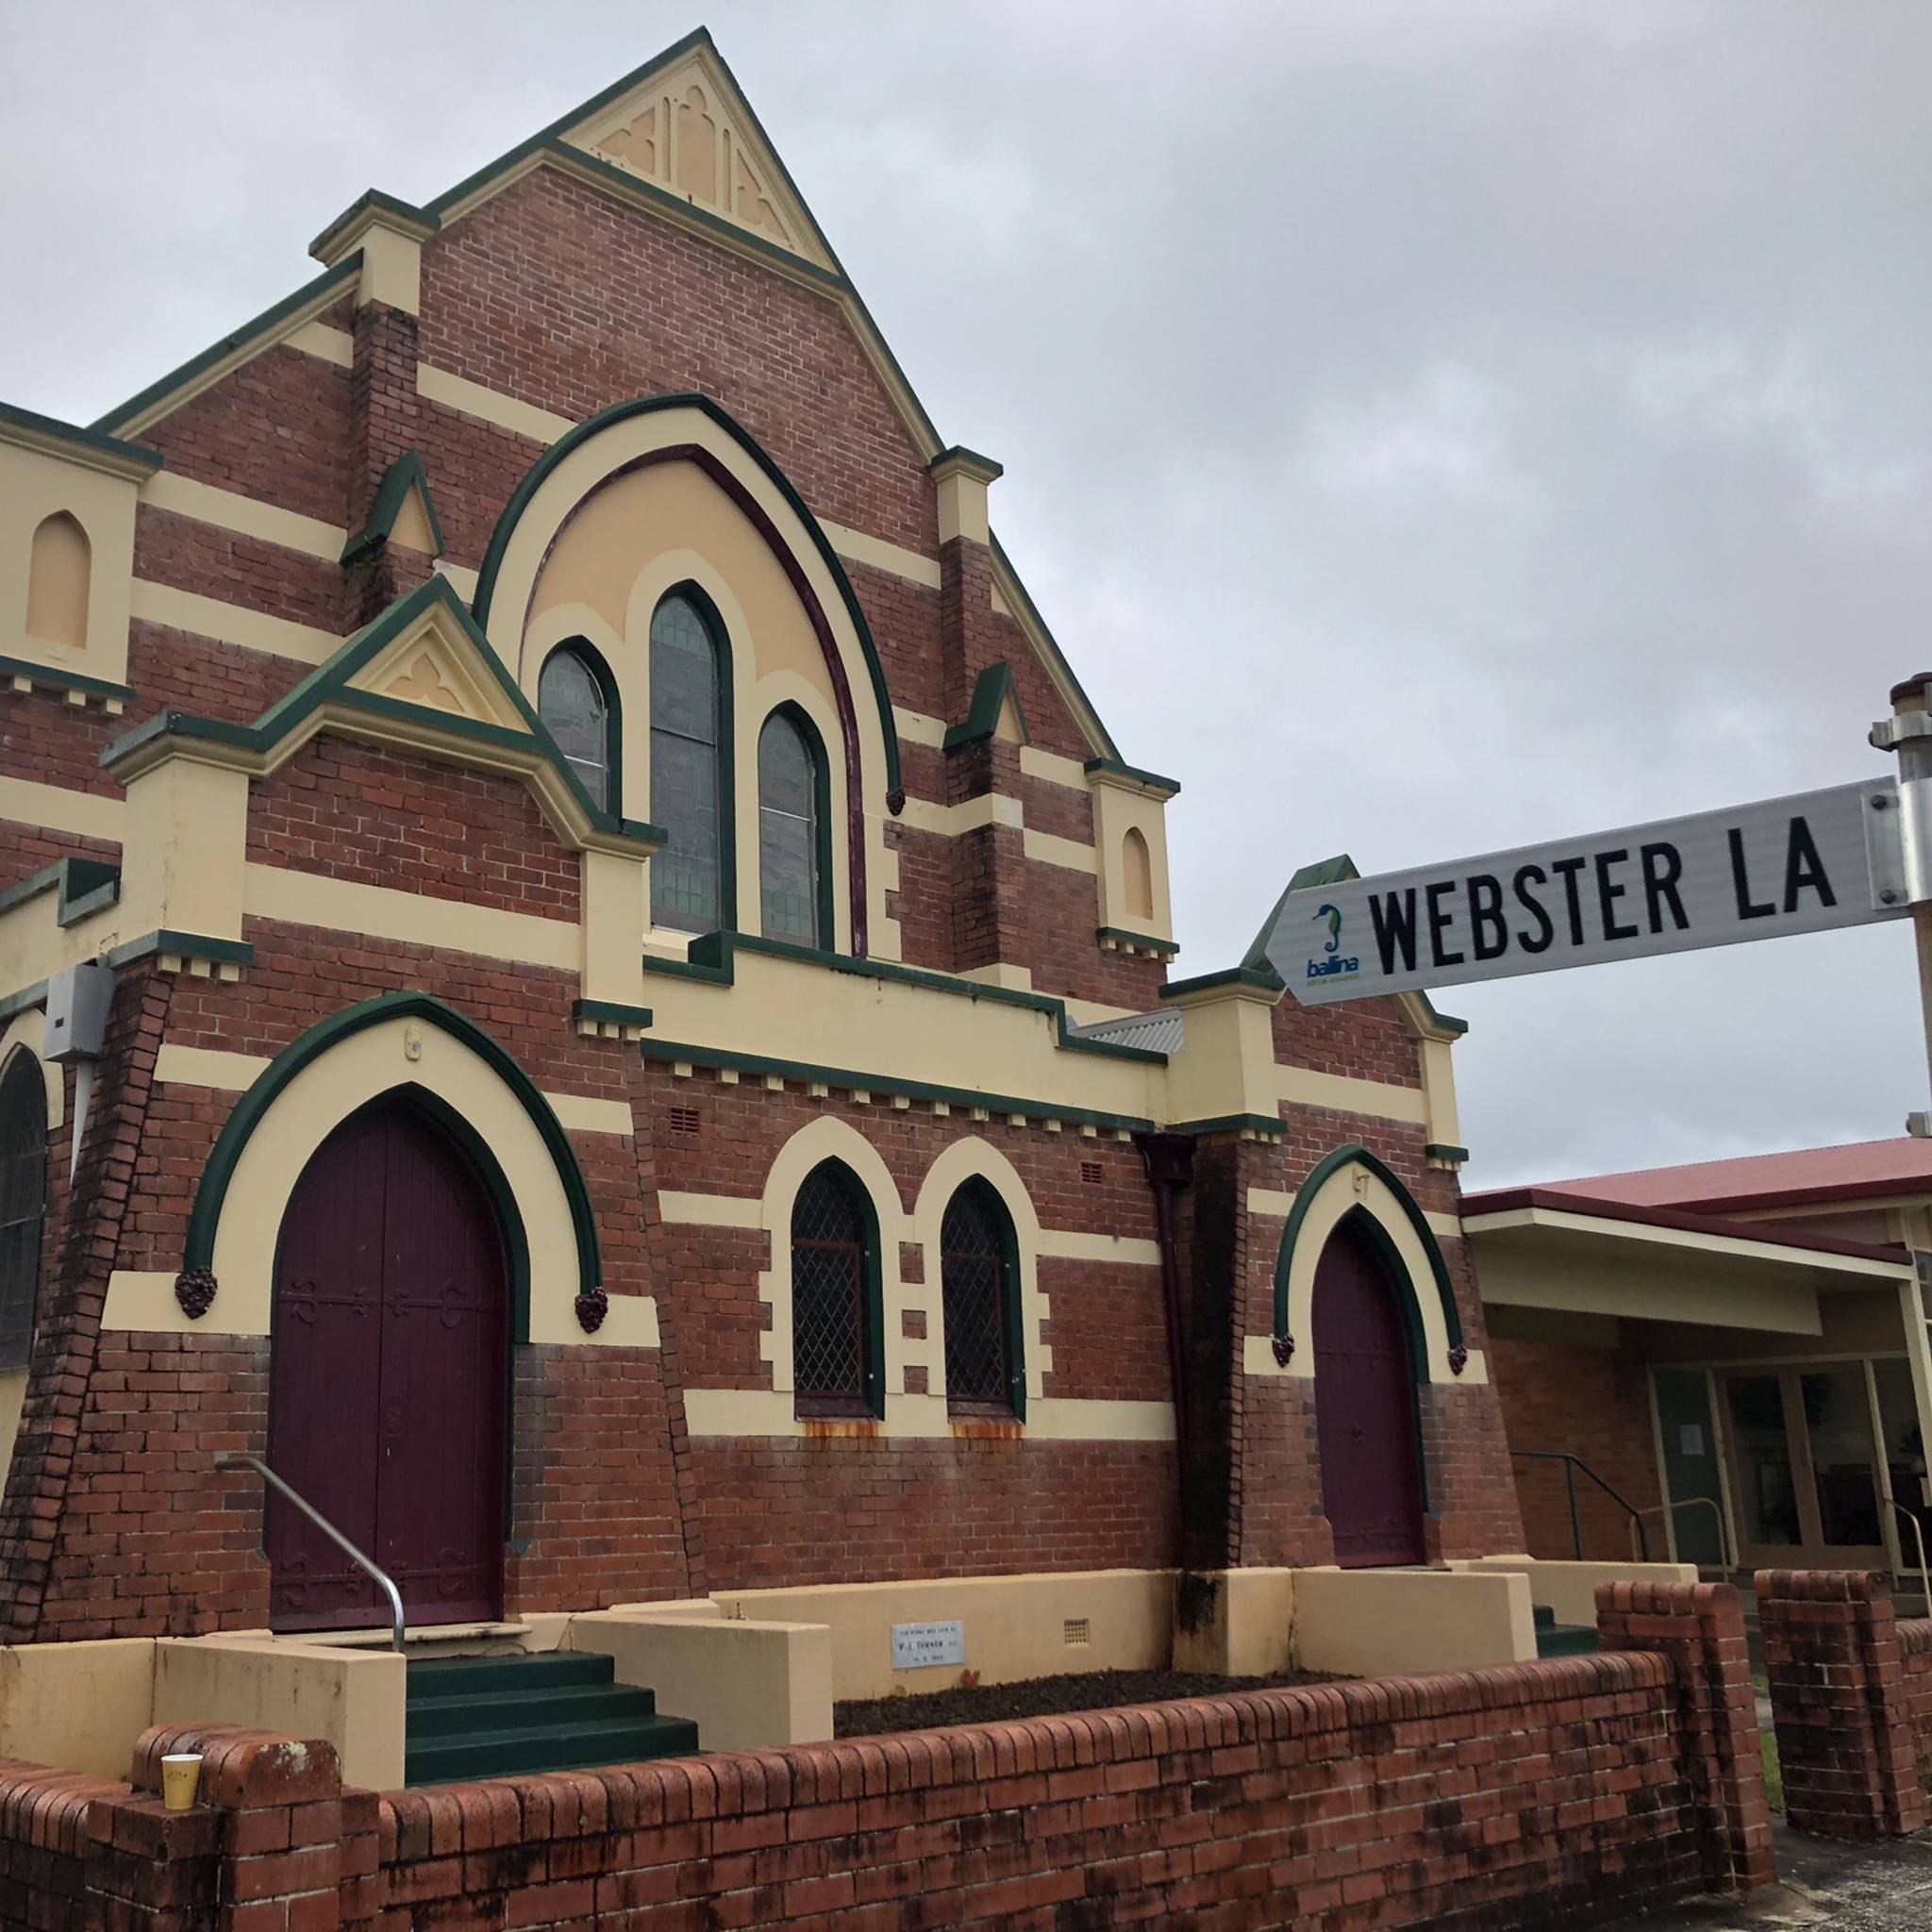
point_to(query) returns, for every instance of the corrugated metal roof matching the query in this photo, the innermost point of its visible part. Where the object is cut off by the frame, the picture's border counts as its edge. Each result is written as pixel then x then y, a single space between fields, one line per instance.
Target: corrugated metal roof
pixel 1159 1031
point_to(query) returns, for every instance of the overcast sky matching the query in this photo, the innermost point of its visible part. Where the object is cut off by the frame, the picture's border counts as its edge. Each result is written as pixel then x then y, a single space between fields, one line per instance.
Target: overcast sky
pixel 1429 427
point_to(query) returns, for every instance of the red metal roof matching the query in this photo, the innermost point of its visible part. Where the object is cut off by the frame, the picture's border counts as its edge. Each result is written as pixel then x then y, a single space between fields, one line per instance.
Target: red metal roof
pixel 1867 1170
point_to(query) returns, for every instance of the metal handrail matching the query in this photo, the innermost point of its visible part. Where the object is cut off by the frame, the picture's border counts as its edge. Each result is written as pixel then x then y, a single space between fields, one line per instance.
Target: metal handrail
pixel 234 1460
pixel 1918 1536
pixel 1570 1465
pixel 1710 1503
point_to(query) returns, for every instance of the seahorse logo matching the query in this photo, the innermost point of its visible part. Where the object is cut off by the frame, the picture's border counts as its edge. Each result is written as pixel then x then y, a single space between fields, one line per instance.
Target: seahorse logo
pixel 1334 920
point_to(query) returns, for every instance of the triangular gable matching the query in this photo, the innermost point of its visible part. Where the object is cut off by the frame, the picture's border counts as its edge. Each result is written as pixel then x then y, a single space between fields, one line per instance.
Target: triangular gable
pixel 421 677
pixel 682 124
pixel 404 513
pixel 995 711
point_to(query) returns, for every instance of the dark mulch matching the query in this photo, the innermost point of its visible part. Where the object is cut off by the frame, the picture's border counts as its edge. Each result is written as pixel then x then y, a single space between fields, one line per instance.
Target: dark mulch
pixel 867 1717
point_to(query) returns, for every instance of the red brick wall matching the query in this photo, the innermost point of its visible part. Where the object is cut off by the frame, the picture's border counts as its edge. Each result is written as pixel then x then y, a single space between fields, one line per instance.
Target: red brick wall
pixel 1593 1402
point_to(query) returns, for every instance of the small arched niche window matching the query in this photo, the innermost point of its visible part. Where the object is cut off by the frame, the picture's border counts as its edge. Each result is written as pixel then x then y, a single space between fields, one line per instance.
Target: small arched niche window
pixel 689 779
pixel 979 1288
pixel 1137 873
pixel 837 1343
pixel 23 1201
pixel 58 573
pixel 577 703
pixel 794 866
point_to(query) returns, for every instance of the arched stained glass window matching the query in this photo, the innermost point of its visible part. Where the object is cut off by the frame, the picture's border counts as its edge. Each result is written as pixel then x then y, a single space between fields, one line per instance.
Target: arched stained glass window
pixel 579 708
pixel 688 768
pixel 980 1296
pixel 793 869
pixel 23 1202
pixel 835 1339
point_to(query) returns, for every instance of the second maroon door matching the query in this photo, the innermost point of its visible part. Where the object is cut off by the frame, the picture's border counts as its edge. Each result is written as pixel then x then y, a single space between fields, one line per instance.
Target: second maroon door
pixel 389 1394
pixel 1365 1408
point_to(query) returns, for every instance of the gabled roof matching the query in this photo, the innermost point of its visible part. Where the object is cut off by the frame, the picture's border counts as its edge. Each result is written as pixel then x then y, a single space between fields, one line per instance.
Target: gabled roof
pixel 1864 1171
pixel 404 479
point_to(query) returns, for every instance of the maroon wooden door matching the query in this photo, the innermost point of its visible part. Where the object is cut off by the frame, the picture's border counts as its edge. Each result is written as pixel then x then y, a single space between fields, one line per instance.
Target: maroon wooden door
pixel 388 1396
pixel 1365 1409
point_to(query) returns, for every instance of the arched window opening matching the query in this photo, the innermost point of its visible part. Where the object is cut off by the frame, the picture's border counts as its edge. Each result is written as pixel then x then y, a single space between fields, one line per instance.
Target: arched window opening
pixel 980 1294
pixel 793 872
pixel 837 1366
pixel 686 770
pixel 23 1202
pixel 579 711
pixel 56 582
pixel 1137 873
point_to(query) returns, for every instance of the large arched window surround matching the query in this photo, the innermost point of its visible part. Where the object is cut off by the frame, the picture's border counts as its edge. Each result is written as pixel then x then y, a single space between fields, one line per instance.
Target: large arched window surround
pixel 721 493
pixel 578 700
pixel 978 1164
pixel 1353 1184
pixel 413 1047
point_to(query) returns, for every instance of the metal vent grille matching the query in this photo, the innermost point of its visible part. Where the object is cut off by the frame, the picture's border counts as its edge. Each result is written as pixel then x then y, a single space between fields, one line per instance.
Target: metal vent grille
pixel 685 1120
pixel 1078 1630
pixel 972 1265
pixel 1091 1172
pixel 827 1289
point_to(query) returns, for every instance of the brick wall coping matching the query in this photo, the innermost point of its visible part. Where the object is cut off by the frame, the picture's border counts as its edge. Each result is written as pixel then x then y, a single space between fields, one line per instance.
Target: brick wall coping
pixel 1915 1636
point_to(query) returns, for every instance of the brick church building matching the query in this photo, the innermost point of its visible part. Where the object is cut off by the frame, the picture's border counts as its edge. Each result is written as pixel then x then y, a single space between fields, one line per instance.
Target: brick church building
pixel 579 972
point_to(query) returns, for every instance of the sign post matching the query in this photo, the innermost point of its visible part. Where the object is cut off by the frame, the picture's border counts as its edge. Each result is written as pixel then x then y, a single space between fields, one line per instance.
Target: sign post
pixel 1908 732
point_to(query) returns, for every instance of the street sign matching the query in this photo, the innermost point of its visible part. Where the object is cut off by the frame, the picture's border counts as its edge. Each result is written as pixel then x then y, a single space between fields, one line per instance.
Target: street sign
pixel 1807 863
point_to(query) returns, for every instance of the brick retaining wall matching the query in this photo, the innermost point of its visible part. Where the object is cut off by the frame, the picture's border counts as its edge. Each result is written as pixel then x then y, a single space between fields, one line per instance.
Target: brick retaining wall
pixel 1538 1796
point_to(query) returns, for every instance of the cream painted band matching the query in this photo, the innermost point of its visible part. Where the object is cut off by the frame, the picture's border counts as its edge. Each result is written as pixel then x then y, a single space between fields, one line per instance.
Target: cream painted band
pixel 765 1412
pixel 231 623
pixel 969 815
pixel 1278 1202
pixel 1302 1085
pixel 308 898
pixel 1127 1250
pixel 464 582
pixel 915 727
pixel 244 515
pixel 142 1301
pixel 329 344
pixel 1345 1190
pixel 234 1072
pixel 491 405
pixel 1048 850
pixel 710 1210
pixel 53 807
pixel 1052 769
pixel 855 546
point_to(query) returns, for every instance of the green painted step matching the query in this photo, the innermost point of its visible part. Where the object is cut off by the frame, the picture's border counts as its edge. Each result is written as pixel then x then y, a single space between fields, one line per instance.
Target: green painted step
pixel 1562 1640
pixel 490 1717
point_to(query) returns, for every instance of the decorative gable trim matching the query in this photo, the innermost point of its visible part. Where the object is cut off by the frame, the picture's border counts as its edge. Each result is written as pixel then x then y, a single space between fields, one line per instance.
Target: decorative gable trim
pixel 996 690
pixel 407 474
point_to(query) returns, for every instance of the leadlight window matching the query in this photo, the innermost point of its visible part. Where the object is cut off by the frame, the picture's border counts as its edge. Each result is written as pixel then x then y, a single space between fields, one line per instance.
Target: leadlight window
pixel 687 778
pixel 572 702
pixel 23 1202
pixel 978 1295
pixel 790 865
pixel 833 1271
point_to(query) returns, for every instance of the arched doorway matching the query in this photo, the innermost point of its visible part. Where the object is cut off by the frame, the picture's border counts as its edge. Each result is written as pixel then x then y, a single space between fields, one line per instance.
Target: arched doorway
pixel 1365 1406
pixel 389 1396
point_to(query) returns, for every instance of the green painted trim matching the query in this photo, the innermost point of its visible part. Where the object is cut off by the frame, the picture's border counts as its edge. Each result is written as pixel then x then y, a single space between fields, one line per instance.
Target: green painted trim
pixel 190 945
pixel 992 689
pixel 1330 1164
pixel 54 676
pixel 330 280
pixel 405 474
pixel 374 199
pixel 1112 768
pixel 45 881
pixel 970 461
pixel 1054 651
pixel 1146 941
pixel 87 885
pixel 611 1010
pixel 1433 1152
pixel 328 683
pixel 676 1050
pixel 644 405
pixel 1261 979
pixel 1338 871
pixel 827 910
pixel 1270 1124
pixel 253 1105
pixel 711 958
pixel 25 1000
pixel 95 438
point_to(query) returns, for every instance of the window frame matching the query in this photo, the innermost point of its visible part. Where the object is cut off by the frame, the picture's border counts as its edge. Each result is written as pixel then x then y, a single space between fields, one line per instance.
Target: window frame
pixel 591 658
pixel 1013 1323
pixel 869 1404
pixel 723 744
pixel 825 909
pixel 22 1073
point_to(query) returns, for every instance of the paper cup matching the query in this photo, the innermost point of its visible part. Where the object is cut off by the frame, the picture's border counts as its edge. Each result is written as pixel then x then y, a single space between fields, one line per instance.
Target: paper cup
pixel 180 1776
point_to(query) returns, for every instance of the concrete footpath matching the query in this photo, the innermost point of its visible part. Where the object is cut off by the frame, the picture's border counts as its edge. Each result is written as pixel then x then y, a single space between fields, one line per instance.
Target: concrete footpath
pixel 1879 1888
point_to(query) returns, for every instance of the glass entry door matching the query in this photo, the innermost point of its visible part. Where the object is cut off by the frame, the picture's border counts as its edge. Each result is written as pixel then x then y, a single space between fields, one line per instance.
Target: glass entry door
pixel 1804 1475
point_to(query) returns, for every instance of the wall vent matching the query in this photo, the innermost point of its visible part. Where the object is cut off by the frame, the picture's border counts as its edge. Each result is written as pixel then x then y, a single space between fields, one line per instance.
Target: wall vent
pixel 1078 1630
pixel 1092 1173
pixel 685 1120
